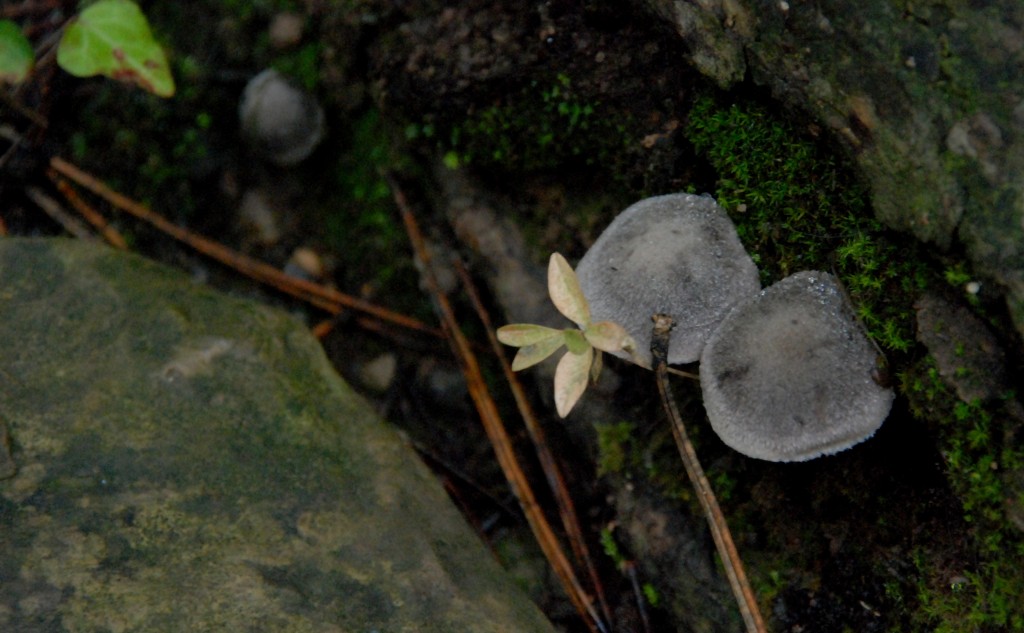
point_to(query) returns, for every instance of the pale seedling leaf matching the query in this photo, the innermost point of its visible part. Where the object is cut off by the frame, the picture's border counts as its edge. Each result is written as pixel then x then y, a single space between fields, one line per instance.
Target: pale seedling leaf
pixel 571 377
pixel 523 334
pixel 565 291
pixel 530 355
pixel 608 336
pixel 595 367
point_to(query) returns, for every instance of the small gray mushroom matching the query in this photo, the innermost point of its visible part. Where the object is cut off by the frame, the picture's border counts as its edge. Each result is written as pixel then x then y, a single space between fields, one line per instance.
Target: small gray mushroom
pixel 281 122
pixel 790 375
pixel 676 254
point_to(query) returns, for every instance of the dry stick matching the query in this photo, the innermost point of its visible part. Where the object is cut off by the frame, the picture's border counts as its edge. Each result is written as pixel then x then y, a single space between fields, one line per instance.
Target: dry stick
pixel 493 426
pixel 629 568
pixel 716 520
pixel 320 296
pixel 556 482
pixel 23 110
pixel 28 8
pixel 52 208
pixel 93 217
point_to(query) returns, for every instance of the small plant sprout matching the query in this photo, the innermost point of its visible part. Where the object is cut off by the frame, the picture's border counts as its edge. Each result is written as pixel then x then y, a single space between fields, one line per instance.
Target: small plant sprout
pixel 580 363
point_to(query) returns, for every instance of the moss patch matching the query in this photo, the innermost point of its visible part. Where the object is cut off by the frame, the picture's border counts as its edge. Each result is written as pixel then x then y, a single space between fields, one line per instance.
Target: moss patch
pixel 797 207
pixel 544 125
pixel 980 456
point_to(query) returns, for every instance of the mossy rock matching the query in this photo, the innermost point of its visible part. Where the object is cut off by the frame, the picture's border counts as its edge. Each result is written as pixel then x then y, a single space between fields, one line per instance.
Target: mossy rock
pixel 187 461
pixel 924 97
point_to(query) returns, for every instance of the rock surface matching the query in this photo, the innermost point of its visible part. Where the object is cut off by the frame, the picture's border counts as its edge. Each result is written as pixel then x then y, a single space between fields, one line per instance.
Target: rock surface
pixel 928 98
pixel 186 461
pixel 966 352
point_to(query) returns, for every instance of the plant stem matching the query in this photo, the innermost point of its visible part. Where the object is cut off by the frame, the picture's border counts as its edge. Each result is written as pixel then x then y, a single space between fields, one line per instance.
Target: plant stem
pixel 716 520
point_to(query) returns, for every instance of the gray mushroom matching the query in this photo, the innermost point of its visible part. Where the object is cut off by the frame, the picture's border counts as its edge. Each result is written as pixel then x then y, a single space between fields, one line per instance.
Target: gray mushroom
pixel 676 254
pixel 790 375
pixel 281 122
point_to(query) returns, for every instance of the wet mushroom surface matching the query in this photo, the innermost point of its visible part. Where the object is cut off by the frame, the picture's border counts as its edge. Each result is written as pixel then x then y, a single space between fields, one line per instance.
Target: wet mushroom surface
pixel 790 375
pixel 675 254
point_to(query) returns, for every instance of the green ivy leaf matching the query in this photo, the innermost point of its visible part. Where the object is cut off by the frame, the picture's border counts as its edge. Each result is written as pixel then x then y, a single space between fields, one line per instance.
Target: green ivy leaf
pixel 112 38
pixel 16 55
pixel 565 291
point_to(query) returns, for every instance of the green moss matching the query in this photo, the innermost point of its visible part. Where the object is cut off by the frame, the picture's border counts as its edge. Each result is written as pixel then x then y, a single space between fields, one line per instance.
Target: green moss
pixel 612 444
pixel 130 129
pixel 302 65
pixel 986 595
pixel 357 212
pixel 796 207
pixel 983 600
pixel 543 125
pixel 651 594
pixel 611 547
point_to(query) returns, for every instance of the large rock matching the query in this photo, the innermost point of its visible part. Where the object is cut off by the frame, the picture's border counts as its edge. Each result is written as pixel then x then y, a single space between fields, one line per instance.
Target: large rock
pixel 929 99
pixel 186 461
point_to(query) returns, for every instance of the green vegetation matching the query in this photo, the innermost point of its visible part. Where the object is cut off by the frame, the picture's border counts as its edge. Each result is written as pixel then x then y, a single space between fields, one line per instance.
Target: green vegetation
pixel 612 443
pixel 358 202
pixel 651 594
pixel 109 37
pixel 611 547
pixel 986 595
pixel 122 127
pixel 302 65
pixel 16 54
pixel 613 551
pixel 796 207
pixel 541 126
pixel 653 460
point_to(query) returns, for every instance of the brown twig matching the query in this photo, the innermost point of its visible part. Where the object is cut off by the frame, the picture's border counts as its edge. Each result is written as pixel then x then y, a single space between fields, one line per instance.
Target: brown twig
pixel 716 520
pixel 321 296
pixel 494 427
pixel 28 8
pixel 52 208
pixel 93 217
pixel 556 482
pixel 629 568
pixel 17 106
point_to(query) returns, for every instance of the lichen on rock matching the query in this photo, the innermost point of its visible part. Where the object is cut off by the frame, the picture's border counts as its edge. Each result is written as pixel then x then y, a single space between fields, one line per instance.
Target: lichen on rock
pixel 190 461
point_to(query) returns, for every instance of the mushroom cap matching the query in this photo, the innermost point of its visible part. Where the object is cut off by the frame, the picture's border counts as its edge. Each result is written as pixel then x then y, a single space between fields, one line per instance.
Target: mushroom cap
pixel 676 254
pixel 283 123
pixel 790 375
